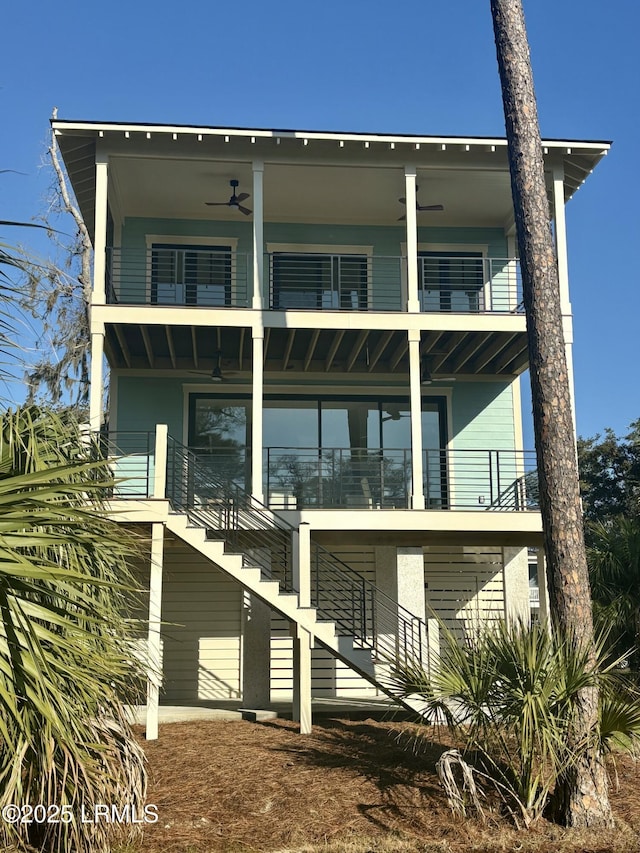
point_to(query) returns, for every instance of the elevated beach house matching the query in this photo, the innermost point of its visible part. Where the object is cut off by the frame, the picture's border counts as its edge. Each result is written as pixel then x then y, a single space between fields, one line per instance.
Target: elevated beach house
pixel 314 343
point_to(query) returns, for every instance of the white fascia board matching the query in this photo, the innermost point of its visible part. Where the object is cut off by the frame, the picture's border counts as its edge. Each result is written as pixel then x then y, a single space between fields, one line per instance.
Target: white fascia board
pixel 98 128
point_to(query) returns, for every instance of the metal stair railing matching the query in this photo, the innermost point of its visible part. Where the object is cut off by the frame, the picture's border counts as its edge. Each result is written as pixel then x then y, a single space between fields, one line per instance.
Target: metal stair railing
pixel 264 539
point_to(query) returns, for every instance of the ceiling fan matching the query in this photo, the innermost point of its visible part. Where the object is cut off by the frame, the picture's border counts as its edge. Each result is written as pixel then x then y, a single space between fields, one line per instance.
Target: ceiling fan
pixel 215 375
pixel 427 377
pixel 234 201
pixel 419 207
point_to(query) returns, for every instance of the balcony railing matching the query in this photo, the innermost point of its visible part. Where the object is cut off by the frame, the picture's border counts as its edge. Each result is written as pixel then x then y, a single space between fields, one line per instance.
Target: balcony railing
pixel 132 462
pixel 466 284
pixel 345 478
pixel 500 480
pixel 188 275
pixel 218 277
pixel 335 282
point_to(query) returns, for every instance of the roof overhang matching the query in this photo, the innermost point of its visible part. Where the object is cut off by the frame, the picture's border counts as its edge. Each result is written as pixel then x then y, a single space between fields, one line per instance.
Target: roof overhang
pixel 130 144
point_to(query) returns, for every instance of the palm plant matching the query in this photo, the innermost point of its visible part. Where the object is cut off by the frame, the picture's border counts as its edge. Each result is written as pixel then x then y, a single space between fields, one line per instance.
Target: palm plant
pixel 614 570
pixel 510 694
pixel 66 663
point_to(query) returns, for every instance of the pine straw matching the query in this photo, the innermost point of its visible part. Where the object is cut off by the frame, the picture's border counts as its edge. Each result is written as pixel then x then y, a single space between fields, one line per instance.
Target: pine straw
pixel 350 787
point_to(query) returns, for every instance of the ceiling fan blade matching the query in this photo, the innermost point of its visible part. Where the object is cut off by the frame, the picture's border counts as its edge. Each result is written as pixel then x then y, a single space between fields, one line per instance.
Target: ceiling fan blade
pixel 430 207
pixel 242 197
pixel 244 210
pixel 217 203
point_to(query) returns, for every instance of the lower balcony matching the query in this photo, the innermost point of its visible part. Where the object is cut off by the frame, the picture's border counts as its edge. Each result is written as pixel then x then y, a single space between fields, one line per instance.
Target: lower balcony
pixel 340 478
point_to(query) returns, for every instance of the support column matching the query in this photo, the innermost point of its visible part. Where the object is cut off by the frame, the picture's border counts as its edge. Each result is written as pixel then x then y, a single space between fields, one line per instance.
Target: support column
pixel 154 647
pixel 413 303
pixel 560 235
pixel 515 579
pixel 96 388
pixel 302 642
pixel 100 232
pixel 256 652
pixel 417 476
pixel 258 296
pixel 257 487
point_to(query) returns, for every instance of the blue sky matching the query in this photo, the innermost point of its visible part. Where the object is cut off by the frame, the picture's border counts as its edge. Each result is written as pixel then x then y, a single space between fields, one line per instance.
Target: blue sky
pixel 403 67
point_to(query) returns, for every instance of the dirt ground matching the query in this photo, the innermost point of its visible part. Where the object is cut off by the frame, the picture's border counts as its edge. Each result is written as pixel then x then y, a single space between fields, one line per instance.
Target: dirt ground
pixel 350 787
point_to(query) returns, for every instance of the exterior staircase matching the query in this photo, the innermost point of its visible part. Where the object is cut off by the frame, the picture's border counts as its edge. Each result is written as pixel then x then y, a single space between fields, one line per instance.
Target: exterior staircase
pixel 305 583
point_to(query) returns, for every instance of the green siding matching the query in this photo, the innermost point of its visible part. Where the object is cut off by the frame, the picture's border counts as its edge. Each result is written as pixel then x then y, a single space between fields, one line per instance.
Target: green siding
pixel 142 403
pixel 385 240
pixel 483 416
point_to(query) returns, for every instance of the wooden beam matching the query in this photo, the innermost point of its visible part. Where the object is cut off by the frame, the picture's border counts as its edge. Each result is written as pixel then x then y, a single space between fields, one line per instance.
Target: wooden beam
pixel 399 352
pixel 333 349
pixel 505 358
pixel 172 351
pixel 437 360
pixel 108 351
pixel 241 348
pixel 477 341
pixel 357 347
pixel 491 352
pixel 429 340
pixel 123 345
pixel 194 344
pixel 380 348
pixel 311 349
pixel 147 345
pixel 267 338
pixel 289 346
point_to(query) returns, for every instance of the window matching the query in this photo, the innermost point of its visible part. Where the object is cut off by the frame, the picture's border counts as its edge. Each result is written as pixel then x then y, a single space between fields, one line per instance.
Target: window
pixel 451 281
pixel 306 280
pixel 190 275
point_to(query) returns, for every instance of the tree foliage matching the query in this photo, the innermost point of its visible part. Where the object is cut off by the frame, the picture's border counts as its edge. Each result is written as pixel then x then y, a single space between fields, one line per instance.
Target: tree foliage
pixel 58 295
pixel 610 474
pixel 67 663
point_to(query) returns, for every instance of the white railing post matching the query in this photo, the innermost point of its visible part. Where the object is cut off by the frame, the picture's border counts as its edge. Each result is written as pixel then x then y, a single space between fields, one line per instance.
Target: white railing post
pixel 160 462
pixel 154 639
pixel 302 563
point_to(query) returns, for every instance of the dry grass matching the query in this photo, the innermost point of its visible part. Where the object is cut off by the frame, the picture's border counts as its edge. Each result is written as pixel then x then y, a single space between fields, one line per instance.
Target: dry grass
pixel 350 787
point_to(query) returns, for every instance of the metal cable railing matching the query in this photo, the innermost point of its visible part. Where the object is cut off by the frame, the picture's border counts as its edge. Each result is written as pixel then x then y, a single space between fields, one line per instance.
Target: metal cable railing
pixel 265 540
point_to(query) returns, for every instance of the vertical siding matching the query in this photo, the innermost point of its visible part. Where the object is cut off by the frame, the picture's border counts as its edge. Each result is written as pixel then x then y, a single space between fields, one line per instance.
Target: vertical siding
pixel 464 585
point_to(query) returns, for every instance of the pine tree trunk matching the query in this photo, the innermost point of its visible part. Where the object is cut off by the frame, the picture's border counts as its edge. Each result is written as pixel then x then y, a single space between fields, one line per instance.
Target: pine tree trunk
pixel 583 792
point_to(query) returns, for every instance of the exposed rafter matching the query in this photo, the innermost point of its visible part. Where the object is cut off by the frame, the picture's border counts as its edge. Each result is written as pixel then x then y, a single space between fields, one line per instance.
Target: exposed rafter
pixel 147 345
pixel 194 346
pixel 123 345
pixel 380 347
pixel 357 347
pixel 333 349
pixel 490 352
pixel 399 352
pixel 311 349
pixel 287 350
pixel 172 349
pixel 473 346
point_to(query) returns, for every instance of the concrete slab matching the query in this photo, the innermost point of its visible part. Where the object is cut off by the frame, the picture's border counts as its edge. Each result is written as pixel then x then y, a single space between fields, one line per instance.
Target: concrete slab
pixel 352 708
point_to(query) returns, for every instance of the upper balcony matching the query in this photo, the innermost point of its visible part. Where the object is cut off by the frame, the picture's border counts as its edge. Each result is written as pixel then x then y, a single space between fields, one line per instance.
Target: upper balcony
pixel 218 276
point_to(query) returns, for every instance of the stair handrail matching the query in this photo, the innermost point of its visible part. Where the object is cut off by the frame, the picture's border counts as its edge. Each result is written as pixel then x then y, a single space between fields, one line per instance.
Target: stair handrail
pixel 340 594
